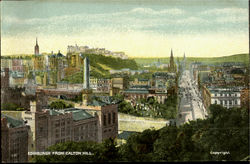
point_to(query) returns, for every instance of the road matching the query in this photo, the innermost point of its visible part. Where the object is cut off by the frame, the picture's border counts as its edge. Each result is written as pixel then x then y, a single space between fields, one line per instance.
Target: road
pixel 191 106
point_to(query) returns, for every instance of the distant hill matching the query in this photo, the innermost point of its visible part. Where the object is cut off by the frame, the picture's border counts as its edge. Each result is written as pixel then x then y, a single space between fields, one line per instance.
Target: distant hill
pixel 242 58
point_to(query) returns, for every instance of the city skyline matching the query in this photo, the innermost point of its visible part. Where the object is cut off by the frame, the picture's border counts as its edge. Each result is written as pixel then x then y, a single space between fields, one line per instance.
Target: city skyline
pixel 140 29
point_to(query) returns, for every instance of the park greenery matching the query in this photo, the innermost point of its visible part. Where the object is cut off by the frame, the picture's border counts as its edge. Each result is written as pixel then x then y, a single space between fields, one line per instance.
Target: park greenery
pixel 225 130
pixel 60 104
pixel 149 107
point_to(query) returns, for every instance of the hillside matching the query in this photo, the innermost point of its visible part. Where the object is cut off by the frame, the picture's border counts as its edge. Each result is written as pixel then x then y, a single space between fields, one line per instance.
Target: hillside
pixel 100 66
pixel 242 58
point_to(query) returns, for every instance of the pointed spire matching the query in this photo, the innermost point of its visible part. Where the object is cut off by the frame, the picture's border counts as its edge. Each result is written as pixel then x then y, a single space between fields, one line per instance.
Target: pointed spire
pixel 36 40
pixel 171 52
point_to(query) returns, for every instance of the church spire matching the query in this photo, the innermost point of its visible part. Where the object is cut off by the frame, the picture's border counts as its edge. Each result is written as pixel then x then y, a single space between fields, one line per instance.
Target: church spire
pixel 36 48
pixel 171 62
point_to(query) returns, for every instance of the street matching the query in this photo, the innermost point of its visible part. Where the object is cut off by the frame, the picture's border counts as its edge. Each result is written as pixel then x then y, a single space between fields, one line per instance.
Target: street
pixel 191 106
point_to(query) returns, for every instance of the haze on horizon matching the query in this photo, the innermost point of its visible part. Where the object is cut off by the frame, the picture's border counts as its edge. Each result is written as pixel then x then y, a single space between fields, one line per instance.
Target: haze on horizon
pixel 146 28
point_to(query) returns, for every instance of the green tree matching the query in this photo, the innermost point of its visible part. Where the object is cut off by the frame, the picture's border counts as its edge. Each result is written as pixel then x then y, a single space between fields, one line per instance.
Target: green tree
pixel 59 104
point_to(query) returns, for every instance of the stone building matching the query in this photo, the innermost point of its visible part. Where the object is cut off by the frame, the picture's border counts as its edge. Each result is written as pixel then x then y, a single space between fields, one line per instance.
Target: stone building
pixel 206 96
pixel 107 114
pixel 5 78
pixel 138 92
pixel 50 127
pixel 139 82
pixel 120 82
pixel 100 85
pixel 55 67
pixel 227 97
pixel 75 60
pixel 14 140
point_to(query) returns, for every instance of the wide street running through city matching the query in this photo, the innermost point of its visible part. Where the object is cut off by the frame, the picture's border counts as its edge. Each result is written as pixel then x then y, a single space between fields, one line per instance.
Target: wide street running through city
pixel 190 106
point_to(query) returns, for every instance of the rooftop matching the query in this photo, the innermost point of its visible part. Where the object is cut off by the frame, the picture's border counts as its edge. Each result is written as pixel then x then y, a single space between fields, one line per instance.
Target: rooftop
pixel 78 114
pixel 12 122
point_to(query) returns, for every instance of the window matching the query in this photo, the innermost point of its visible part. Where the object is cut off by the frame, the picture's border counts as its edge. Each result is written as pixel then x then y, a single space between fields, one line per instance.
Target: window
pixel 104 120
pixel 221 102
pixel 113 117
pixel 109 118
pixel 230 102
pixel 225 101
pixel 215 102
pixel 215 94
pixel 235 102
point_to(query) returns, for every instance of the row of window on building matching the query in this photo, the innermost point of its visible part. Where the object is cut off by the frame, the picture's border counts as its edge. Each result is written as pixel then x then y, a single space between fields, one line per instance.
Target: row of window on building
pixel 226 95
pixel 226 102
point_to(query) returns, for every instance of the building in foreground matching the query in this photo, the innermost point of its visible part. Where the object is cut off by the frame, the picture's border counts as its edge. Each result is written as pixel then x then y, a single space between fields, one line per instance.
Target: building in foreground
pixel 14 140
pixel 51 126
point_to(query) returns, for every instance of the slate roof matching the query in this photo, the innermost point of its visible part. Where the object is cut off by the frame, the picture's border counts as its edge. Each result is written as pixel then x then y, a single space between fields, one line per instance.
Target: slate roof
pixel 13 122
pixel 53 112
pixel 81 115
pixel 78 114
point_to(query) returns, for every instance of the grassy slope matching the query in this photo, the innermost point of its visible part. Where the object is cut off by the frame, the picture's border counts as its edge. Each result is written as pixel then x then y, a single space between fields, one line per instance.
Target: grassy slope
pixel 100 66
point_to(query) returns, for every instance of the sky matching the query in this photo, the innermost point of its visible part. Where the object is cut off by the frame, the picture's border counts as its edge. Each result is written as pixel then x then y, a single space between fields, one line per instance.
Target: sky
pixel 140 28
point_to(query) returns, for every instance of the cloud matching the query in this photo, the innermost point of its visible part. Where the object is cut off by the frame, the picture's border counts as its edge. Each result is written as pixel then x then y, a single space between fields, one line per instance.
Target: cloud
pixel 192 21
pixel 226 11
pixel 160 12
pixel 232 19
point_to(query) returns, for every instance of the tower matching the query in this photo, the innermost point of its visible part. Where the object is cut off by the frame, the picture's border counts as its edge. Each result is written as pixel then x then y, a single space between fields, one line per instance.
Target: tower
pixel 87 91
pixel 36 48
pixel 171 63
pixel 86 74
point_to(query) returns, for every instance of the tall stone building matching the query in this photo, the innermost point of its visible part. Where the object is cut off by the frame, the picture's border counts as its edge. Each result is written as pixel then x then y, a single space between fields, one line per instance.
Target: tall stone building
pixel 107 118
pixel 14 140
pixel 172 67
